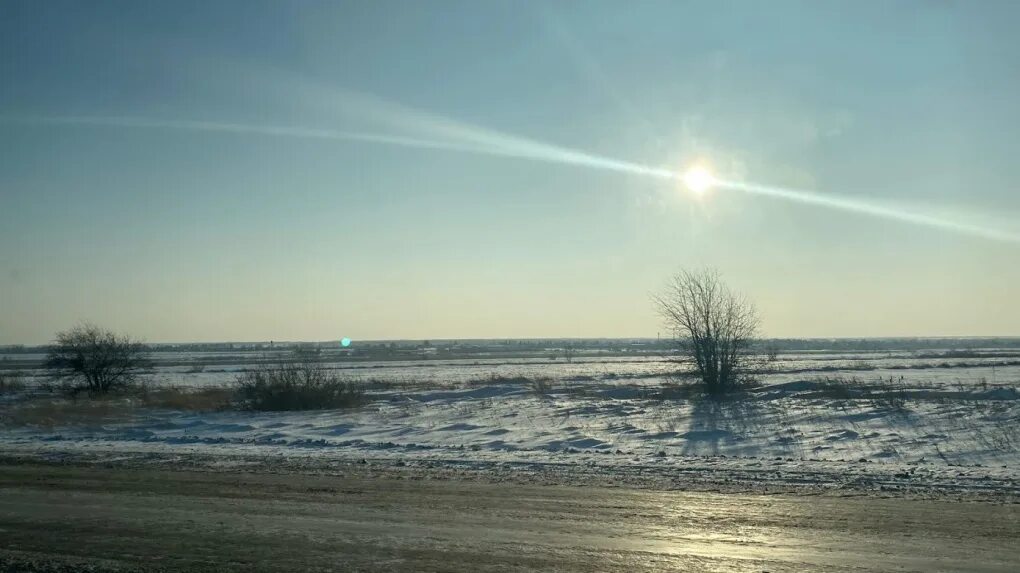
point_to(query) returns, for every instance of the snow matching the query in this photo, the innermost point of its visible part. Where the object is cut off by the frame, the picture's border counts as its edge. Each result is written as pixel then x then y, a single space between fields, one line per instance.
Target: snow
pixel 504 418
pixel 952 418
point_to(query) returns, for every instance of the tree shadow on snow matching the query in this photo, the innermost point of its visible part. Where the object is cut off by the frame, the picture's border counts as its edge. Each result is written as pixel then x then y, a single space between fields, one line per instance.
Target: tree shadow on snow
pixel 731 425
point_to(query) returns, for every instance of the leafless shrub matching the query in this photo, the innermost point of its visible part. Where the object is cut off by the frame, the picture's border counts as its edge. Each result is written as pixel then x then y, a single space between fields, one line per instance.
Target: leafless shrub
pixel 715 330
pixel 569 351
pixel 541 385
pixel 91 359
pixel 296 387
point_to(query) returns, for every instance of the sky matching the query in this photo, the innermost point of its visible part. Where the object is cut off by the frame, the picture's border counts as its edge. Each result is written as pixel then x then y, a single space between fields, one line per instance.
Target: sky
pixel 213 170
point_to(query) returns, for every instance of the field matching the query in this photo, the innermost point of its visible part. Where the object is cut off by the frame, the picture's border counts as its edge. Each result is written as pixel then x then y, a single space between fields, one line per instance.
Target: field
pixel 531 459
pixel 938 415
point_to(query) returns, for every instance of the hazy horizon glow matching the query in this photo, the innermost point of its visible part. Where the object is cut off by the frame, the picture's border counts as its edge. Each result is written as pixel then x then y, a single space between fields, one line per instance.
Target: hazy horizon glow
pixel 122 201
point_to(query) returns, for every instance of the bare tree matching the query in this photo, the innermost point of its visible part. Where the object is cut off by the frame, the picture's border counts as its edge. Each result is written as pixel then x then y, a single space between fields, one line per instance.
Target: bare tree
pixel 94 359
pixel 715 328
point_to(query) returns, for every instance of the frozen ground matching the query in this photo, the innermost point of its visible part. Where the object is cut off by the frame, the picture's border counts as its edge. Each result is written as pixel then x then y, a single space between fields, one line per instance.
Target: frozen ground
pixel 123 516
pixel 952 424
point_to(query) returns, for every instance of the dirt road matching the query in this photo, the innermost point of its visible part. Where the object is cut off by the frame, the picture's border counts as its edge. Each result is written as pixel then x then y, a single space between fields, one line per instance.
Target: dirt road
pixel 131 519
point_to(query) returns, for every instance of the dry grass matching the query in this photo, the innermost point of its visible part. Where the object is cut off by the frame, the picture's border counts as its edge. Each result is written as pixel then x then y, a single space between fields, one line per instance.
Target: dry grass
pixel 61 411
pixel 11 382
pixel 498 379
pixel 271 388
pixel 49 410
pixel 209 399
pixel 541 385
pixel 673 390
pixel 881 393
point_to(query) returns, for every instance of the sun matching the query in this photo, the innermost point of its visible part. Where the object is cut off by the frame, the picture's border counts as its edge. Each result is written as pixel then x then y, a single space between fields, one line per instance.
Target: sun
pixel 698 179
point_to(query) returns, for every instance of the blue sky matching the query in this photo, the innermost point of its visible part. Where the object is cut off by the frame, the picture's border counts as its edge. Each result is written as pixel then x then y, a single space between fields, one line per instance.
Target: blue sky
pixel 203 234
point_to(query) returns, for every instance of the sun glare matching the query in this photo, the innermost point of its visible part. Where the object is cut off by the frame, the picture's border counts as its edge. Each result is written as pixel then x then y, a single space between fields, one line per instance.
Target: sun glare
pixel 698 179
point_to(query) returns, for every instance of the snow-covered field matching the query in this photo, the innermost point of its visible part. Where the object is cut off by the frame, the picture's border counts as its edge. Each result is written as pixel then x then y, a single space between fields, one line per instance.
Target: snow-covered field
pixel 929 413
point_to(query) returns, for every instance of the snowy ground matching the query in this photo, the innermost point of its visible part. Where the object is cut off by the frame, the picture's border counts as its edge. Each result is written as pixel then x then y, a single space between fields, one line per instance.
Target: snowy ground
pixel 950 422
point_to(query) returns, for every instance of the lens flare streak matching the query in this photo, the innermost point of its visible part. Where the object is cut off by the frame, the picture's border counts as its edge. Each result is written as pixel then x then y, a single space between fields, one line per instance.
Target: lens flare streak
pixel 466 138
pixel 482 142
pixel 851 205
pixel 242 128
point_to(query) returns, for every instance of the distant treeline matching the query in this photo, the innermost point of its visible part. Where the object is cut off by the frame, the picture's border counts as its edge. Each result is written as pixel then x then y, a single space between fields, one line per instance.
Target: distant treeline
pixel 892 344
pixel 585 345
